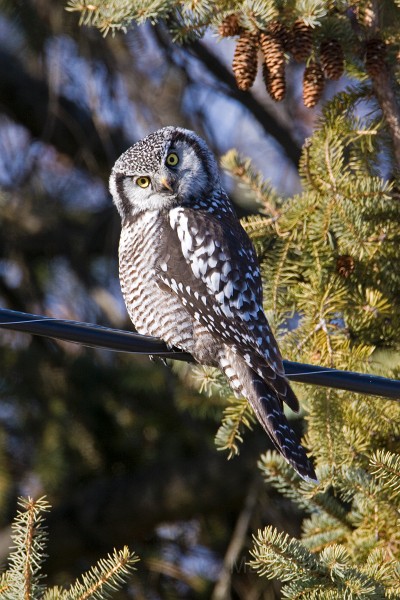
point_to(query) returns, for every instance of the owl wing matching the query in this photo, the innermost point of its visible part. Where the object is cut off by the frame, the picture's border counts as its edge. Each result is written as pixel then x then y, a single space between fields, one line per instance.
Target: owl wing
pixel 212 266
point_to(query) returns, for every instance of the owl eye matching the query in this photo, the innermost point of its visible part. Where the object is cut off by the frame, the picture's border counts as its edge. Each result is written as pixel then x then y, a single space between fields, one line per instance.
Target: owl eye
pixel 143 182
pixel 172 159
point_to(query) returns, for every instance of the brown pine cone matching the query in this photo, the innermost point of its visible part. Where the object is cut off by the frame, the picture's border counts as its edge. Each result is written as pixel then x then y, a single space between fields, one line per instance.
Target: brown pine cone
pixel 332 58
pixel 368 16
pixel 273 52
pixel 313 84
pixel 230 26
pixel 275 83
pixel 281 32
pixel 345 265
pixel 375 57
pixel 245 60
pixel 301 40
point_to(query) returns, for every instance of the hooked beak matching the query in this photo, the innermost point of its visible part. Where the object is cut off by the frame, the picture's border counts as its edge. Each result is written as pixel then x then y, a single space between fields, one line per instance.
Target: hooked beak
pixel 166 184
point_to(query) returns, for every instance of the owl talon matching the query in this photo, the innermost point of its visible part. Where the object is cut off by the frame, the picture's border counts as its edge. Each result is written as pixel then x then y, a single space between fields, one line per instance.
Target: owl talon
pixel 158 359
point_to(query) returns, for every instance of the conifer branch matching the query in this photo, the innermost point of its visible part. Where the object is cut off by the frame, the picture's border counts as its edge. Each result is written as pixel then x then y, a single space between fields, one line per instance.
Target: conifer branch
pixel 330 573
pixel 55 593
pixel 277 555
pixel 4 584
pixel 236 414
pixel 385 570
pixel 241 168
pixel 314 181
pixel 108 575
pixel 29 553
pixel 320 531
pixel 277 276
pixel 22 580
pixel 278 473
pixel 29 537
pixel 385 467
pixel 373 509
pixel 256 225
pixel 325 430
pixel 306 496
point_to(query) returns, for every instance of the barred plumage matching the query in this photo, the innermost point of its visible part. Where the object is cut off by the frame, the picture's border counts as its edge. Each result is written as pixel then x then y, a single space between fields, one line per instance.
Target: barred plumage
pixel 189 274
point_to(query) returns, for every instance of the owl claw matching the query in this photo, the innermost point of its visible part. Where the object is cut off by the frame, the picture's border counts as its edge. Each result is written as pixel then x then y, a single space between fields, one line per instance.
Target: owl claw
pixel 158 359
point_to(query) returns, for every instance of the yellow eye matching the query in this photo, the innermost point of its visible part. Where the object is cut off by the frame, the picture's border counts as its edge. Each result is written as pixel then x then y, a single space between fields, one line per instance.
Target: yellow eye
pixel 172 159
pixel 143 182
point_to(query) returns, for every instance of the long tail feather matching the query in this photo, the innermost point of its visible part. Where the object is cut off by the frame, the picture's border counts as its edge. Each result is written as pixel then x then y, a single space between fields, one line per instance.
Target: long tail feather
pixel 267 406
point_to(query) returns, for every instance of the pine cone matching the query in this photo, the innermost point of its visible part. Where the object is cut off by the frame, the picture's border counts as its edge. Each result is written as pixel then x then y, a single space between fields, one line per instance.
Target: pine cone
pixel 230 26
pixel 275 83
pixel 345 265
pixel 375 57
pixel 332 58
pixel 245 60
pixel 301 40
pixel 281 32
pixel 272 49
pixel 369 16
pixel 313 84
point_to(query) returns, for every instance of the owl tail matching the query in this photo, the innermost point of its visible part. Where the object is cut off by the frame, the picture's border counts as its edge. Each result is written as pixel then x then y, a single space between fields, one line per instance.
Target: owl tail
pixel 267 407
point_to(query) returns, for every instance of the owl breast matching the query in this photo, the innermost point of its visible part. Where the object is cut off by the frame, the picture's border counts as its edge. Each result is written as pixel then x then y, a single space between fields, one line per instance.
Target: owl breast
pixel 153 311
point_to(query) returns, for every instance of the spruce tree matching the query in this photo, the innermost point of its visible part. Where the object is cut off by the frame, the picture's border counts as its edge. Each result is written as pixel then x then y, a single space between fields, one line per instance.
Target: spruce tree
pixel 330 260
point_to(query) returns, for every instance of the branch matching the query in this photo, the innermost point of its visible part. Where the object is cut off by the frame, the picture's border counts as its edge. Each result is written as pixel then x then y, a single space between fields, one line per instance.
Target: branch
pixel 383 88
pixel 225 77
pixel 268 122
pixel 88 334
pixel 222 587
pixel 72 131
pixel 382 81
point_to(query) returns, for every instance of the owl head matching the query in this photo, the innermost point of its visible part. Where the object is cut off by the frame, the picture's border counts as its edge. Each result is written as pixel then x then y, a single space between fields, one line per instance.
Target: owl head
pixel 169 167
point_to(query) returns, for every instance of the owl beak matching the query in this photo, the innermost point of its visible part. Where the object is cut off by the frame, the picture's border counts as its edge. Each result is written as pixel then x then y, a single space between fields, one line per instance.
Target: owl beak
pixel 165 184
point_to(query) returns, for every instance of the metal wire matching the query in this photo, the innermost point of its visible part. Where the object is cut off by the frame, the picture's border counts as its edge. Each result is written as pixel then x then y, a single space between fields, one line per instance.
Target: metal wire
pixel 96 336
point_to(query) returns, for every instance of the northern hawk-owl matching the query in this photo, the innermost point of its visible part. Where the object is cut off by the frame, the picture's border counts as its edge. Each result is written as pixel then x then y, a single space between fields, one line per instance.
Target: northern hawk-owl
pixel 189 274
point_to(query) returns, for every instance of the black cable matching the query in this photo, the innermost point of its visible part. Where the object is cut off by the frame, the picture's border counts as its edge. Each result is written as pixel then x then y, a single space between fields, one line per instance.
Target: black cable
pixel 96 336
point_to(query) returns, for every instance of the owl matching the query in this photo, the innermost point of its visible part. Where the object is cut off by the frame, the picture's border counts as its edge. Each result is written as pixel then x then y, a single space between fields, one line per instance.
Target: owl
pixel 189 274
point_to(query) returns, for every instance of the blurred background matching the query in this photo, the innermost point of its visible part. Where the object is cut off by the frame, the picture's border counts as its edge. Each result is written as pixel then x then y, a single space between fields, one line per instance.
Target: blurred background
pixel 122 447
